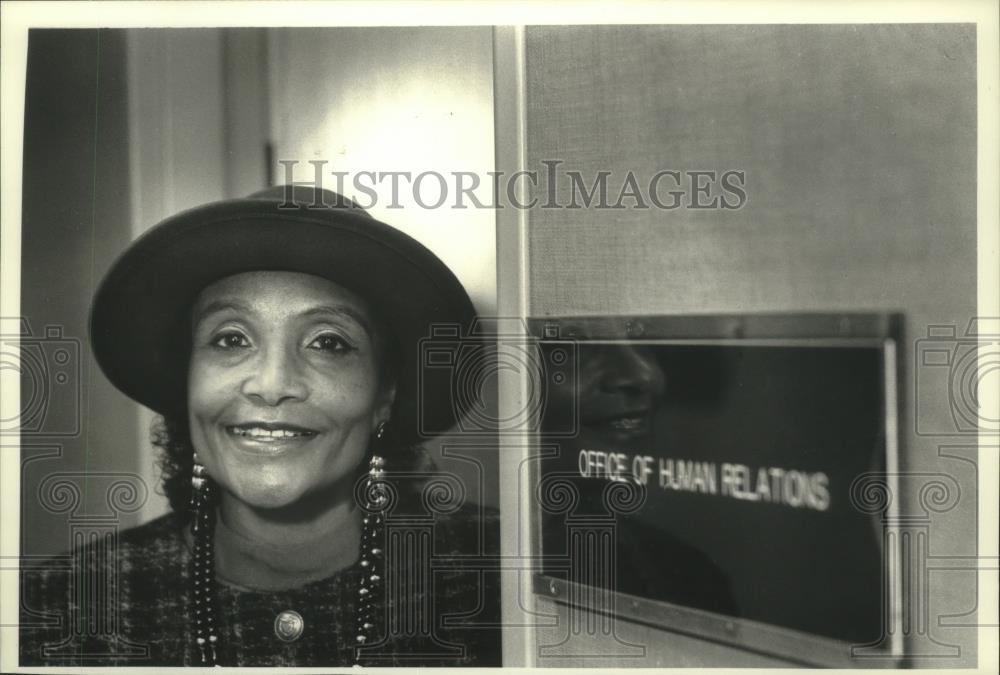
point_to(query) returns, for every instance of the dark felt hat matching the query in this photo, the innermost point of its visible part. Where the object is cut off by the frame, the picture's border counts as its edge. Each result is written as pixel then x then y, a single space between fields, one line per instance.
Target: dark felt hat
pixel 139 321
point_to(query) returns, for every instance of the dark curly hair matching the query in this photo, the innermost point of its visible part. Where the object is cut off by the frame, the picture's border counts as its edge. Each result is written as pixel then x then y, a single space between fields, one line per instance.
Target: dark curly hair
pixel 173 437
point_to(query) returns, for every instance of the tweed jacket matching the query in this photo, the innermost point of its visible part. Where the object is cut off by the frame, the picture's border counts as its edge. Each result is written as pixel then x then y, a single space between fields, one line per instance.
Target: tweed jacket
pixel 125 600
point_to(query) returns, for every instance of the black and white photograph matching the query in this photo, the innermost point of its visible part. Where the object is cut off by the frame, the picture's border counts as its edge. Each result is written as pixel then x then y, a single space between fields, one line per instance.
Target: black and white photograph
pixel 479 335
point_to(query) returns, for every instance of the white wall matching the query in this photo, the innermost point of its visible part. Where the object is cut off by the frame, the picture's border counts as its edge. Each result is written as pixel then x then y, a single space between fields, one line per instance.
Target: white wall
pixel 395 99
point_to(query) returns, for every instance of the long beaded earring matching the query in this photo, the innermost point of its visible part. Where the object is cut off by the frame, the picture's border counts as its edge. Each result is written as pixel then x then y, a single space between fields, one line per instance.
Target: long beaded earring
pixel 369 600
pixel 203 564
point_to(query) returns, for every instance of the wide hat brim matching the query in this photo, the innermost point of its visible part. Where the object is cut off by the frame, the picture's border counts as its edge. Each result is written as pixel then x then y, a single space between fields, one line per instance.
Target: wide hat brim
pixel 139 323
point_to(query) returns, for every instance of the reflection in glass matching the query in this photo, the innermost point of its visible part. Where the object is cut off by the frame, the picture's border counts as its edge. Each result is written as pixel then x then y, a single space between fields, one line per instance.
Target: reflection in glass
pixel 744 454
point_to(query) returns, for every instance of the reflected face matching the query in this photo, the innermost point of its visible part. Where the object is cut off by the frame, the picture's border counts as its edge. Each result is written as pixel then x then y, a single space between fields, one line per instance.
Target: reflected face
pixel 283 387
pixel 617 389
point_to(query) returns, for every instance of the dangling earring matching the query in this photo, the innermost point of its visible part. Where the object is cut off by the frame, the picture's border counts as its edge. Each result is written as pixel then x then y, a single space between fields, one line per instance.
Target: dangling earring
pixel 371 546
pixel 203 564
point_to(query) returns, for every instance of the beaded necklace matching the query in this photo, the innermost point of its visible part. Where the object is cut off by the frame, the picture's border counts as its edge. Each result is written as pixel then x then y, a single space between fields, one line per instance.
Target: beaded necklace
pixel 203 589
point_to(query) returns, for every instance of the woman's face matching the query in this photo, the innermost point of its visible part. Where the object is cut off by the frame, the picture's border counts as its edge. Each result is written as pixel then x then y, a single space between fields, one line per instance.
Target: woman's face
pixel 284 388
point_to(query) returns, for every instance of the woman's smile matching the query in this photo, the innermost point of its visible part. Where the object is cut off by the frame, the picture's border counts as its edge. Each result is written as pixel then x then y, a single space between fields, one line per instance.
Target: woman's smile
pixel 269 437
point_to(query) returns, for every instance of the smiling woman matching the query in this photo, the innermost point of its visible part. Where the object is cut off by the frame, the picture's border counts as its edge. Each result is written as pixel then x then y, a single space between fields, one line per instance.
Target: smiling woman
pixel 285 371
pixel 283 388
